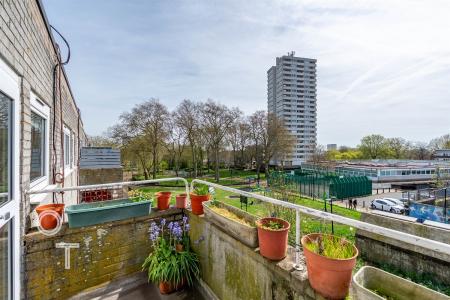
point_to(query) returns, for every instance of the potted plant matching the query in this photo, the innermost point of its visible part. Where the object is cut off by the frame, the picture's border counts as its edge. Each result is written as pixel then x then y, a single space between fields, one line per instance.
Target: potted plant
pixel 138 204
pixel 181 201
pixel 198 196
pixel 330 261
pixel 166 266
pixel 48 220
pixel 273 237
pixel 163 200
pixel 233 221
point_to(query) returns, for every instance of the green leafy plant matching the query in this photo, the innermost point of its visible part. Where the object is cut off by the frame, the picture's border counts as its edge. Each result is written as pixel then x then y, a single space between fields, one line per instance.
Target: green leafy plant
pixel 138 196
pixel 201 189
pixel 331 246
pixel 273 225
pixel 165 264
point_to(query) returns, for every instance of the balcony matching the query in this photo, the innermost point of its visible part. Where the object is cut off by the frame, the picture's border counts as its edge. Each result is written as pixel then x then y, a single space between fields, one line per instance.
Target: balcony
pixel 106 259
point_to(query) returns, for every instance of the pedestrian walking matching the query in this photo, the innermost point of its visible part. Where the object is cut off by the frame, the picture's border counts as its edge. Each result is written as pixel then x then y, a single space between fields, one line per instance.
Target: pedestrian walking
pixel 355 203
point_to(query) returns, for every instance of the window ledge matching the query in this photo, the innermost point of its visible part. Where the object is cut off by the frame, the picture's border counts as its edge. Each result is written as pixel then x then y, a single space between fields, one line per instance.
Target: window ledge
pixel 39 198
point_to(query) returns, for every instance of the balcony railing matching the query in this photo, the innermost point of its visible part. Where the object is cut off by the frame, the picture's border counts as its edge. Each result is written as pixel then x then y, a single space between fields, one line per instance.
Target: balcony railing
pixel 425 243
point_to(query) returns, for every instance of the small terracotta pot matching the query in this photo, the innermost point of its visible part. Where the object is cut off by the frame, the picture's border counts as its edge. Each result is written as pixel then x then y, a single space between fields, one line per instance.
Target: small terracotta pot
pixel 179 247
pixel 273 243
pixel 181 200
pixel 196 203
pixel 50 222
pixel 329 277
pixel 163 200
pixel 166 287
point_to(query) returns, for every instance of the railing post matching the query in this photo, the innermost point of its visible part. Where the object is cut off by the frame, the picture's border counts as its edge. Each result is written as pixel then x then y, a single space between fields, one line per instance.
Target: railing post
pixel 297 265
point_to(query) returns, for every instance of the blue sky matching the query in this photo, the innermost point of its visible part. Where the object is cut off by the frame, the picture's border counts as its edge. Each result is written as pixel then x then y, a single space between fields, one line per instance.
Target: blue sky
pixel 383 66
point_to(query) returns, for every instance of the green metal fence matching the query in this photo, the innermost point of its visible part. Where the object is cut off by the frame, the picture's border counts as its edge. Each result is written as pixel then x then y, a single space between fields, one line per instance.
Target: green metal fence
pixel 317 183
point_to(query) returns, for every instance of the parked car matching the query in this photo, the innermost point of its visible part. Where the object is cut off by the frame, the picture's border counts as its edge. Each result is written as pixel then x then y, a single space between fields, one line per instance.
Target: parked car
pixel 396 201
pixel 386 205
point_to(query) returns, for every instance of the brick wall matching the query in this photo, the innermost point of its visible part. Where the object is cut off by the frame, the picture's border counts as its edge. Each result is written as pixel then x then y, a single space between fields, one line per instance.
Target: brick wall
pixel 26 46
pixel 107 251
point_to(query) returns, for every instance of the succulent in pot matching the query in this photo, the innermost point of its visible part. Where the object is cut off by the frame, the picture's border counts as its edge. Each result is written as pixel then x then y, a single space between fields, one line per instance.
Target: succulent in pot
pixel 163 200
pixel 181 200
pixel 166 266
pixel 198 196
pixel 273 237
pixel 330 260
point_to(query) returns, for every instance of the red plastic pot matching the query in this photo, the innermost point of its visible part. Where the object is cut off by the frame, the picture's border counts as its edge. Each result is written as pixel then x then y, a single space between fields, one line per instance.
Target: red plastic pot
pixel 166 287
pixel 196 203
pixel 49 222
pixel 329 277
pixel 181 200
pixel 179 247
pixel 163 200
pixel 273 243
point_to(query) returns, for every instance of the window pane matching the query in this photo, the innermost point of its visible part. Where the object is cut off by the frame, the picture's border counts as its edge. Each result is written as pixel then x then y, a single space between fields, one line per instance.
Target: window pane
pixel 5 127
pixel 37 146
pixel 4 261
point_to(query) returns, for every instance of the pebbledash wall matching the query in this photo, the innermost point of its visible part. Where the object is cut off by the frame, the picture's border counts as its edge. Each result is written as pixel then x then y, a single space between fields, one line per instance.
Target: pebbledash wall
pixel 234 271
pixel 107 252
pixel 411 258
pixel 29 49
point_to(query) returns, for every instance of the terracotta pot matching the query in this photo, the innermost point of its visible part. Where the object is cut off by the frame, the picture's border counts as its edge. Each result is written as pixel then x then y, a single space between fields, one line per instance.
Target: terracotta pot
pixel 49 222
pixel 163 200
pixel 329 277
pixel 181 200
pixel 196 203
pixel 181 285
pixel 273 243
pixel 166 287
pixel 179 247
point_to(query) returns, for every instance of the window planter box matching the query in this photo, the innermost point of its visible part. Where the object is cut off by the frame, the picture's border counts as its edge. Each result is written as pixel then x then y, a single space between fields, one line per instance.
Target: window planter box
pixel 87 214
pixel 369 279
pixel 248 235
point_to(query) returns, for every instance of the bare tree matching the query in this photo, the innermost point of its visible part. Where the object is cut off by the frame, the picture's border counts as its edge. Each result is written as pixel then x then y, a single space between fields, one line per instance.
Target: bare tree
pixel 217 120
pixel 148 119
pixel 175 143
pixel 257 125
pixel 187 117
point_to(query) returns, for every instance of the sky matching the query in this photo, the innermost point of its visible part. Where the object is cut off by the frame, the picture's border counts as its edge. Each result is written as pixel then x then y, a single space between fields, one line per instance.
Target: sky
pixel 382 66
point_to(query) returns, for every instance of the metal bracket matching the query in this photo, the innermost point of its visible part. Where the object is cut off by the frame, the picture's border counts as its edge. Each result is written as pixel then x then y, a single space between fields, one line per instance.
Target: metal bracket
pixel 67 247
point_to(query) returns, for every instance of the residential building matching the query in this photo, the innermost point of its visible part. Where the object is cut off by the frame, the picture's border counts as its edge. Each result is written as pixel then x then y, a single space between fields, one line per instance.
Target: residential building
pixel 41 130
pixel 331 147
pixel 291 96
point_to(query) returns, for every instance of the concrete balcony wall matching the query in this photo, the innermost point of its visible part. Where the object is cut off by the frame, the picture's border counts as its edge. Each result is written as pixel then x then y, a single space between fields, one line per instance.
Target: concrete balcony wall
pixel 234 271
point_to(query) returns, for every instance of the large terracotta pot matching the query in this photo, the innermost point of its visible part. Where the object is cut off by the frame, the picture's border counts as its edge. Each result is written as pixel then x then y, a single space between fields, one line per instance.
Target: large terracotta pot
pixel 196 203
pixel 329 277
pixel 273 243
pixel 181 200
pixel 49 222
pixel 163 200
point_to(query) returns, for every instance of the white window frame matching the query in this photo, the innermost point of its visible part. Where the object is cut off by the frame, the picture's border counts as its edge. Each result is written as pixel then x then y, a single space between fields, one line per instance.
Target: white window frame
pixel 68 168
pixel 40 108
pixel 9 85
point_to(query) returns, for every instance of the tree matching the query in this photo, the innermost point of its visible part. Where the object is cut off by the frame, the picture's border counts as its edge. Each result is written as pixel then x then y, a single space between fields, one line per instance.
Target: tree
pixel 148 120
pixel 175 143
pixel 257 123
pixel 373 146
pixel 217 120
pixel 187 117
pixel 396 147
pixel 101 141
pixel 442 142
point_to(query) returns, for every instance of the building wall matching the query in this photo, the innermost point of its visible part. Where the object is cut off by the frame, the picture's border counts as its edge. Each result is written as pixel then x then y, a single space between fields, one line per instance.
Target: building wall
pixel 26 46
pixel 292 96
pixel 107 252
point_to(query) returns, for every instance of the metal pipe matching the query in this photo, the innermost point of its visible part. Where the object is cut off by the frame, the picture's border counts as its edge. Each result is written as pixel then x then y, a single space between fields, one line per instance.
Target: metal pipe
pixel 297 265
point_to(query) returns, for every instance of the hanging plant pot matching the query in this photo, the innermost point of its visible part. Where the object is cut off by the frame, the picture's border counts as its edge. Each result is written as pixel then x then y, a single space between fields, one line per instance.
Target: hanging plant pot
pixel 273 237
pixel 181 201
pixel 329 276
pixel 49 221
pixel 166 287
pixel 163 200
pixel 196 203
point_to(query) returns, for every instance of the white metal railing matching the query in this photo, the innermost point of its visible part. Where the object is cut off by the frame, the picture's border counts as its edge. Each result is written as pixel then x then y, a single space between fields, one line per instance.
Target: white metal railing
pixel 425 243
pixel 436 246
pixel 114 185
